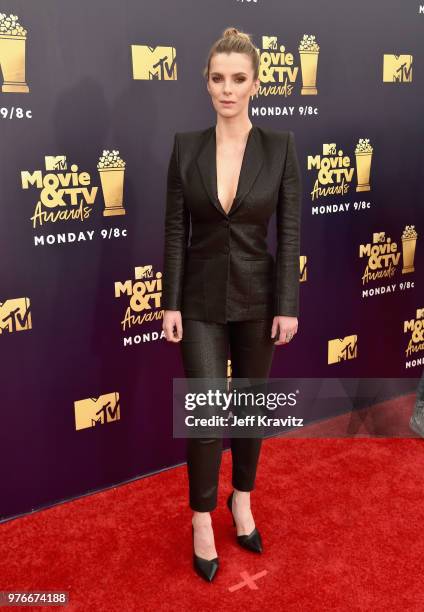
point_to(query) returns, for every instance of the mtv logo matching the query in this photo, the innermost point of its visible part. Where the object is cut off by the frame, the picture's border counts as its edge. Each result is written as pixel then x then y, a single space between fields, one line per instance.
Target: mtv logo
pixel 420 313
pixel 97 411
pixel 55 162
pixel 269 42
pixel 154 63
pixel 329 148
pixel 378 237
pixel 143 272
pixel 397 68
pixel 341 349
pixel 303 269
pixel 15 315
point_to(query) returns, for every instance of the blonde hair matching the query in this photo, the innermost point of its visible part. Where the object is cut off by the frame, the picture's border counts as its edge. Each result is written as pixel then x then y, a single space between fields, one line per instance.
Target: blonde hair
pixel 234 40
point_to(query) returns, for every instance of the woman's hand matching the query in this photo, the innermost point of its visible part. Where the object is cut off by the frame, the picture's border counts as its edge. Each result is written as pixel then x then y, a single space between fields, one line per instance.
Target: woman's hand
pixel 284 328
pixel 172 325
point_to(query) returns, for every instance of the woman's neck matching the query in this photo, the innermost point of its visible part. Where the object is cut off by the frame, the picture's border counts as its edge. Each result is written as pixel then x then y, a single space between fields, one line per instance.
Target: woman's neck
pixel 228 130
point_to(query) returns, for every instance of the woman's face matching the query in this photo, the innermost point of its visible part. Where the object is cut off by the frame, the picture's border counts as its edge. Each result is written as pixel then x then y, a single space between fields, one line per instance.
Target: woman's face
pixel 231 80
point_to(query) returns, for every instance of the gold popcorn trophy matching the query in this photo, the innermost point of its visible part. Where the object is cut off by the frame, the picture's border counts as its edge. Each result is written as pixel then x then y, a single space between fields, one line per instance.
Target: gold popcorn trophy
pixel 309 52
pixel 112 169
pixel 363 153
pixel 12 54
pixel 409 242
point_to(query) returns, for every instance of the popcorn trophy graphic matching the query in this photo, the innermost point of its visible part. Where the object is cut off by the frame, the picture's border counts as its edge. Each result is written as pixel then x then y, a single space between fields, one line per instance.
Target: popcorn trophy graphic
pixel 309 52
pixel 409 242
pixel 111 169
pixel 363 153
pixel 12 54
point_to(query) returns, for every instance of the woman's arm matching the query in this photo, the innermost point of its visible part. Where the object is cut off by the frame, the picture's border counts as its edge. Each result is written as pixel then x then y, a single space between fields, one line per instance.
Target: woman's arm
pixel 177 225
pixel 286 296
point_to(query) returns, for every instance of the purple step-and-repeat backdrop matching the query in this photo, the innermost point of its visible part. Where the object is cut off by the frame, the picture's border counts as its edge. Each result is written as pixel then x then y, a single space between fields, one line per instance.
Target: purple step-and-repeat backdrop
pixel 91 96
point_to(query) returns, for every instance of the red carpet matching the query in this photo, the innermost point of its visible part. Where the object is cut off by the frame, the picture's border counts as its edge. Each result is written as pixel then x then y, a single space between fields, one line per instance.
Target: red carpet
pixel 341 521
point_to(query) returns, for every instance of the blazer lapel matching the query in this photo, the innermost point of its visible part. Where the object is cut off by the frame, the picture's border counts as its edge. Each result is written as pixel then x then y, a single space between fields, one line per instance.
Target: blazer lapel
pixel 253 160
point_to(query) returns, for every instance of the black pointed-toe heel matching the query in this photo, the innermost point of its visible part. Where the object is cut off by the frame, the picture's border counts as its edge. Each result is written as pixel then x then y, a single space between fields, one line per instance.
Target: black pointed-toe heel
pixel 252 541
pixel 206 568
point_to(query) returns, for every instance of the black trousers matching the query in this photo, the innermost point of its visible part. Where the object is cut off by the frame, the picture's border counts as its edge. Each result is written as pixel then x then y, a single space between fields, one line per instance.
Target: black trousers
pixel 205 348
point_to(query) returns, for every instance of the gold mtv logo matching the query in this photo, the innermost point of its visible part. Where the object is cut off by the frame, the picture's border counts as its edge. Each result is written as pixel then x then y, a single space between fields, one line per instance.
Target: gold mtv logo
pixel 397 68
pixel 411 324
pixel 269 42
pixel 154 63
pixel 143 272
pixel 341 349
pixel 55 162
pixel 15 315
pixel 97 411
pixel 329 148
pixel 303 269
pixel 378 237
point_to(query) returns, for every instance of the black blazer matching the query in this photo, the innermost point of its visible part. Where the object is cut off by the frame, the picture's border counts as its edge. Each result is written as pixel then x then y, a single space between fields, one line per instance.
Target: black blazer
pixel 225 272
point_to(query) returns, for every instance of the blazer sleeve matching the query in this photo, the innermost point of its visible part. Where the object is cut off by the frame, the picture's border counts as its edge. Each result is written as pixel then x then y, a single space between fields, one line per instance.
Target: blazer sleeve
pixel 288 214
pixel 177 224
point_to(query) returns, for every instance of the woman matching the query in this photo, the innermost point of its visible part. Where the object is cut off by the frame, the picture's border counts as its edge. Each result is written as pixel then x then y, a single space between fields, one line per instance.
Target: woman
pixel 224 292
